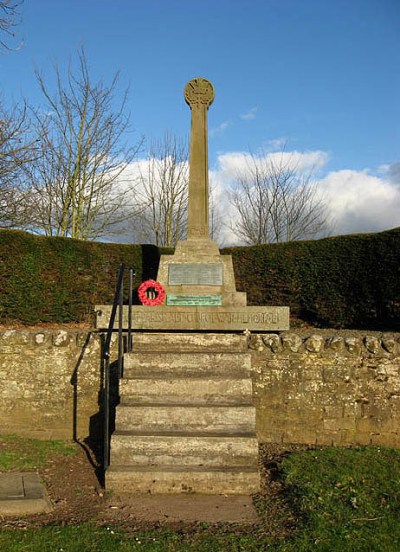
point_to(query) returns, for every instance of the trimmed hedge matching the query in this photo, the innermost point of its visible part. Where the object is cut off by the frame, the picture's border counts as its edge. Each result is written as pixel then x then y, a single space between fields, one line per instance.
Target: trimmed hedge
pixel 59 279
pixel 347 281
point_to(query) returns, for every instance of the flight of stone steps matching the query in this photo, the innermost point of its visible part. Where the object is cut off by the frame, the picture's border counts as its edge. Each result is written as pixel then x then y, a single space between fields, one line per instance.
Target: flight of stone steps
pixel 185 422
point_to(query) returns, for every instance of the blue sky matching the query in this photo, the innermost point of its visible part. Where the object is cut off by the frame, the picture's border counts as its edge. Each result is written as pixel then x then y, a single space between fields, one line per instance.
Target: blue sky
pixel 323 76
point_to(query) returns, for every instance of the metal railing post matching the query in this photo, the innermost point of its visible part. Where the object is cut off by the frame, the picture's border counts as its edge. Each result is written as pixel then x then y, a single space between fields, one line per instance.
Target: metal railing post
pixel 106 428
pixel 131 275
pixel 118 299
pixel 120 328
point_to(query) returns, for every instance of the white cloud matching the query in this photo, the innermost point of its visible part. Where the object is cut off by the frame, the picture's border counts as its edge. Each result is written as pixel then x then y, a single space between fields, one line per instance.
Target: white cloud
pixel 390 172
pixel 393 173
pixel 220 129
pixel 360 202
pixel 309 160
pixel 250 114
pixel 357 201
pixel 234 162
pixel 276 144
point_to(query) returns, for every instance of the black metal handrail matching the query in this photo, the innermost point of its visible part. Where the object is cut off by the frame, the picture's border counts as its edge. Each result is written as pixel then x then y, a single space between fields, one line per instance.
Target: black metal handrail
pixel 117 304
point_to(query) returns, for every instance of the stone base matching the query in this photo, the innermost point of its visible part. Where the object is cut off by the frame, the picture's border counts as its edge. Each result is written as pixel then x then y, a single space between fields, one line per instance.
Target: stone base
pixel 201 252
pixel 200 318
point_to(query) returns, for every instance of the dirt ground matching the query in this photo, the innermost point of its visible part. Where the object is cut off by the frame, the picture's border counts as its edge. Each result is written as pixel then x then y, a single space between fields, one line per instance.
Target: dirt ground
pixel 74 487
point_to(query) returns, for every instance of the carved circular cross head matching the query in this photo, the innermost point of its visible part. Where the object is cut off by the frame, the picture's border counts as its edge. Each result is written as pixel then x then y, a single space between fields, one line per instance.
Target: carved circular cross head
pixel 199 91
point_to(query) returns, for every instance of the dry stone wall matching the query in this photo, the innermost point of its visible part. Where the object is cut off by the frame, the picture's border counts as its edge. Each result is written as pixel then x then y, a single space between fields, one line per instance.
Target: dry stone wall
pixel 320 388
pixel 327 389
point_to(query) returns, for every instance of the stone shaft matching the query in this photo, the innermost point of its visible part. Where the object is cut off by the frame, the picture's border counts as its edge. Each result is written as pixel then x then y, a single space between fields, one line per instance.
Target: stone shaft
pixel 199 94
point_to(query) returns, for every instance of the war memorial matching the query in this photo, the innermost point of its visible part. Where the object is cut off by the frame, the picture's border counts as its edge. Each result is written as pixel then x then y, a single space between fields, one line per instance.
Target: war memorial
pixel 199 283
pixel 186 419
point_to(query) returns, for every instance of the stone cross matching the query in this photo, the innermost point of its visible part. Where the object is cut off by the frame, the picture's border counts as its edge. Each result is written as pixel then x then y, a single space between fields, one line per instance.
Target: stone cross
pixel 199 94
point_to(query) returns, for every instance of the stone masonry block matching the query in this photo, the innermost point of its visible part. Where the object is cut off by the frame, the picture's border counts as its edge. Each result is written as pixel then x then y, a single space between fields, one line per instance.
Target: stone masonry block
pixel 389 344
pixel 291 342
pixel 315 343
pixel 365 425
pixel 333 411
pixel 353 345
pixel 328 437
pixel 372 344
pixel 386 439
pixel 273 341
pixel 61 339
pixel 335 343
pixel 376 410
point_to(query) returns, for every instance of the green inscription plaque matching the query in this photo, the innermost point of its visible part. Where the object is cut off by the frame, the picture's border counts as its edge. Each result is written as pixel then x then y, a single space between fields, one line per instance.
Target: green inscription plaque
pixel 195 300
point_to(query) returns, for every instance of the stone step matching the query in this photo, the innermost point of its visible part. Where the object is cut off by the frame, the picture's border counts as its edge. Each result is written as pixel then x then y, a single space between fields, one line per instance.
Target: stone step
pixel 180 365
pixel 181 479
pixel 185 390
pixel 189 342
pixel 187 450
pixel 234 420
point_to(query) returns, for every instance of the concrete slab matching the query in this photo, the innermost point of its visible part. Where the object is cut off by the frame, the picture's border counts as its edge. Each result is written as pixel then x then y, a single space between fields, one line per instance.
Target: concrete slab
pixel 190 508
pixel 22 493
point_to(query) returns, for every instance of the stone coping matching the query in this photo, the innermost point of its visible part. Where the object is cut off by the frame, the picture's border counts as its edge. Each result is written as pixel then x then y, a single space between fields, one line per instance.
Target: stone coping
pixel 295 341
pixel 292 342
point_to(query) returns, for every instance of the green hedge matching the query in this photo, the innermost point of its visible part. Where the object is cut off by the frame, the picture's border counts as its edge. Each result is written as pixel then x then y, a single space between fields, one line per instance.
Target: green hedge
pixel 346 281
pixel 60 279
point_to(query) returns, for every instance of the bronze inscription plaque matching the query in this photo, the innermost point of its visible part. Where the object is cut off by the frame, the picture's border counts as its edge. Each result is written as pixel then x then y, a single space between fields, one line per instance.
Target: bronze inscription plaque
pixel 197 274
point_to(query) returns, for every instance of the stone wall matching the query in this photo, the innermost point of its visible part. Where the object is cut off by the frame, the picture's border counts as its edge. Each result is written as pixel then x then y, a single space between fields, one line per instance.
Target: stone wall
pixel 327 389
pixel 313 389
pixel 49 383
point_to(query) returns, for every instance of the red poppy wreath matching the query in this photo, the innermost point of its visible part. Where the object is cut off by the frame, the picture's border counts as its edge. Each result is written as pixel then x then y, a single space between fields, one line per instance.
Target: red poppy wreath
pixel 157 290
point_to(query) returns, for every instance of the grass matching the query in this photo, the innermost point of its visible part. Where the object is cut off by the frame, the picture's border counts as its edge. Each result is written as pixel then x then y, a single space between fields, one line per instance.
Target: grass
pixel 20 453
pixel 341 500
pixel 345 499
pixel 87 538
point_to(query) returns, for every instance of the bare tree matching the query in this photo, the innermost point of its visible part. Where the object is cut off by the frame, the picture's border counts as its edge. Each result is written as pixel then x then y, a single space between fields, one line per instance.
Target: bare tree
pixel 163 191
pixel 77 183
pixel 17 150
pixel 276 200
pixel 9 20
